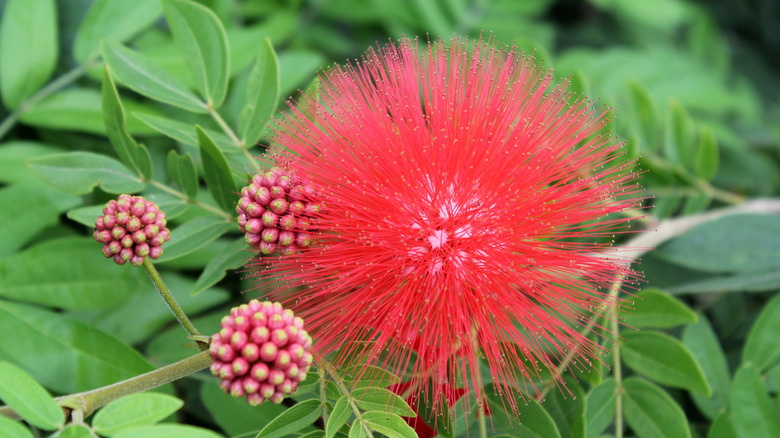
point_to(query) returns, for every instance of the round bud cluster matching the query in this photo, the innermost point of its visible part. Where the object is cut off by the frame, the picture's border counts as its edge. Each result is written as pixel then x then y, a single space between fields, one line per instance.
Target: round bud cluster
pixel 276 211
pixel 262 351
pixel 130 229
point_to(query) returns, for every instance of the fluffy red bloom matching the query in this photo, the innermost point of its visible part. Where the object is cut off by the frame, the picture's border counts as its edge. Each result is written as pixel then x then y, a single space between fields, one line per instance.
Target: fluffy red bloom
pixel 465 196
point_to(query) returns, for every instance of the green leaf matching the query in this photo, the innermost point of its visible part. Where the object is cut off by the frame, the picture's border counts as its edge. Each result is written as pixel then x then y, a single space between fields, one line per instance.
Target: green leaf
pixel 567 408
pixel 75 431
pixel 235 416
pixel 134 410
pixel 184 132
pixel 388 424
pixel 533 417
pixel 262 95
pixel 28 48
pixel 338 417
pixel 203 44
pixel 704 345
pixel 79 109
pixel 182 170
pixel 144 77
pixel 114 20
pixel 600 407
pixel 357 431
pixel 147 312
pixel 696 203
pixel 679 143
pixel 292 419
pixel 665 360
pixel 167 431
pixel 28 398
pixel 657 309
pixel 193 235
pixel 217 172
pixel 754 414
pixel 383 400
pixel 131 153
pixel 762 346
pixel 735 243
pixel 63 354
pixel 707 158
pixel 232 257
pixel 651 412
pixel 68 273
pixel 13 156
pixel 27 210
pixel 761 282
pixel 13 429
pixel 722 427
pixel 79 173
pixel 297 67
pixel 646 112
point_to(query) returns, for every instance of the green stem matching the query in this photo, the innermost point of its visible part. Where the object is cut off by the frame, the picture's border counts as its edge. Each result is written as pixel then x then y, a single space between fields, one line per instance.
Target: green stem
pixel 170 300
pixel 89 401
pixel 181 195
pixel 231 135
pixel 323 395
pixel 616 364
pixel 345 391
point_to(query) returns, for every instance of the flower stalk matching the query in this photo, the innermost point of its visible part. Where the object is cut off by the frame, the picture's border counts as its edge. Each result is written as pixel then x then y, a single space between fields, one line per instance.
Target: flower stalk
pixel 166 295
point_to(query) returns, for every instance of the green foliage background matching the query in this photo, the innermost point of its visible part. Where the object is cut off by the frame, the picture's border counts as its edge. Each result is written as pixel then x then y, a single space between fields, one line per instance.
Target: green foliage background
pixel 694 85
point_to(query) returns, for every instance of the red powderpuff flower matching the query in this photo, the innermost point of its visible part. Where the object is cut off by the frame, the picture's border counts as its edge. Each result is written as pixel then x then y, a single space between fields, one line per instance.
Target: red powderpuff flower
pixel 466 195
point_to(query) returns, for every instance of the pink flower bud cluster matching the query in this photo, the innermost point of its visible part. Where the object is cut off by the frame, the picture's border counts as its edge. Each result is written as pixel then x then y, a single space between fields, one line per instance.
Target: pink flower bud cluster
pixel 276 211
pixel 262 351
pixel 130 229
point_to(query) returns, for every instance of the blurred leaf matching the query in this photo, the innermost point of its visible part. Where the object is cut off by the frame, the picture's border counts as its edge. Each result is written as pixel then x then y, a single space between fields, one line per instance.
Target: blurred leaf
pixel 534 418
pixel 646 113
pixel 28 398
pixel 235 416
pixel 13 154
pixel 134 410
pixel 722 427
pixel 262 95
pixel 63 354
pixel 203 44
pixel 147 311
pixel 27 210
pixel 79 173
pixel 217 172
pixel 167 431
pixel 75 431
pixel 116 20
pixel 764 281
pixel 144 77
pixel 567 409
pixel 79 109
pixel 704 345
pixel 13 429
pixel 665 360
pixel 184 132
pixel 232 257
pixel 194 234
pixel 131 153
pixel 388 424
pixel 383 400
pixel 338 417
pixel 578 83
pixel 665 206
pixel 600 407
pixel 85 279
pixel 181 168
pixel 695 204
pixel 28 48
pixel 292 419
pixel 707 158
pixel 734 243
pixel 297 67
pixel 762 347
pixel 678 145
pixel 655 308
pixel 752 411
pixel 651 412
